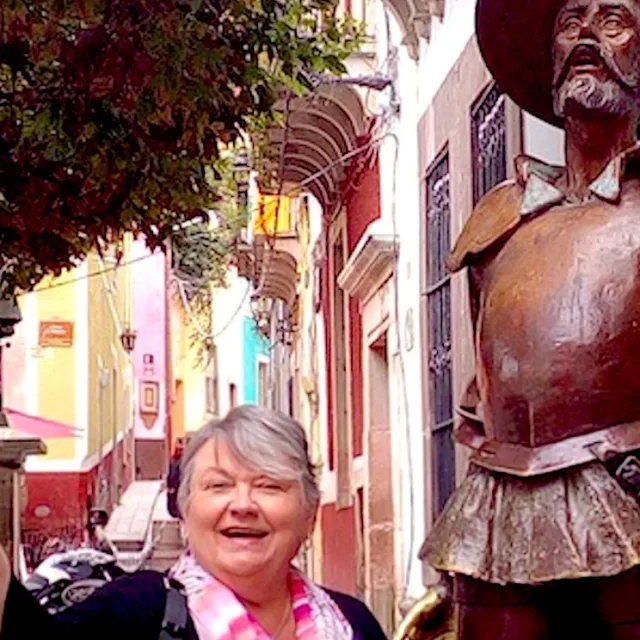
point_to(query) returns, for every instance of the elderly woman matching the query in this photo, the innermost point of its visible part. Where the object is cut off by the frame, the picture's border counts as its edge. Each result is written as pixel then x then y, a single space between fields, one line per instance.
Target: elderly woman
pixel 249 498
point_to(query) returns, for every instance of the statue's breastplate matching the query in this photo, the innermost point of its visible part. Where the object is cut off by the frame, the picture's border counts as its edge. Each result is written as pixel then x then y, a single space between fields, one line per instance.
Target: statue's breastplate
pixel 558 334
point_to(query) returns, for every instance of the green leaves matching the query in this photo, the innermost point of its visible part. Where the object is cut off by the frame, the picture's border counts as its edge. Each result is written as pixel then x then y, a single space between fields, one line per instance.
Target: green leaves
pixel 111 111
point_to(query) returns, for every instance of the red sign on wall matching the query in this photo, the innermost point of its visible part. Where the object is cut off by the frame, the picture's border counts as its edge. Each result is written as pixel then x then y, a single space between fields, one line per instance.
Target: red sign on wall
pixel 55 333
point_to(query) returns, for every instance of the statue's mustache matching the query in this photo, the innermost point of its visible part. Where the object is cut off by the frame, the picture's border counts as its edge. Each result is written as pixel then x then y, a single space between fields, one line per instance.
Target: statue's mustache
pixel 609 65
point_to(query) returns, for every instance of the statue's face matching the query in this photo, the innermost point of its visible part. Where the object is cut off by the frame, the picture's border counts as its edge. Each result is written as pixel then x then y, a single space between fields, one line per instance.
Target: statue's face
pixel 596 57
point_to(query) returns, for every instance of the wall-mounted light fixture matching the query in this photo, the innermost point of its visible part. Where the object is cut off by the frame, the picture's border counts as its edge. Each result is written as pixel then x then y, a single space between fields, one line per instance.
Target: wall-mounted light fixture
pixel 242 175
pixel 128 339
pixel 285 330
pixel 375 82
pixel 261 313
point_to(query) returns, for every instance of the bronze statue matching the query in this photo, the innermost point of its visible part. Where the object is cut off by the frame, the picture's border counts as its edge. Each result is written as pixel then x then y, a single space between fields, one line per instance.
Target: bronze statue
pixel 543 536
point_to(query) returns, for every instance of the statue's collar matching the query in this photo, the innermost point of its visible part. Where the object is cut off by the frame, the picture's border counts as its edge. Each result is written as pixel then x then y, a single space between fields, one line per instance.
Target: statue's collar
pixel 543 183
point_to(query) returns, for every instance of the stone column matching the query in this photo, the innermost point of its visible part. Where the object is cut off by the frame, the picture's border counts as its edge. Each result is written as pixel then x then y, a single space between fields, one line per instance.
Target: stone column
pixel 15 446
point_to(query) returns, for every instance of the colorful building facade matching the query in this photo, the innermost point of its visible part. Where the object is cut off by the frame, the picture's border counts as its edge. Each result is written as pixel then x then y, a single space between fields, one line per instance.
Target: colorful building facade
pixel 151 362
pixel 66 365
pixel 255 363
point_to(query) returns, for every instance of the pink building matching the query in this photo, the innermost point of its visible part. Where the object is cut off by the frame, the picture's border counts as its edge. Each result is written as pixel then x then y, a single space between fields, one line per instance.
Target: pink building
pixel 152 426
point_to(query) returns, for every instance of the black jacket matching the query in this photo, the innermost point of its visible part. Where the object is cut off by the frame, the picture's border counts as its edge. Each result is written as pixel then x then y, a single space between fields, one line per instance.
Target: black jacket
pixel 131 608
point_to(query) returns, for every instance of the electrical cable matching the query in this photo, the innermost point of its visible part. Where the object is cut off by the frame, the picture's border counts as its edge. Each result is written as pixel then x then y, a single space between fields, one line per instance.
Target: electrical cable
pixel 110 301
pixel 295 190
pixel 218 333
pixel 179 284
pixel 403 374
pixel 93 274
pixel 392 52
pixel 187 306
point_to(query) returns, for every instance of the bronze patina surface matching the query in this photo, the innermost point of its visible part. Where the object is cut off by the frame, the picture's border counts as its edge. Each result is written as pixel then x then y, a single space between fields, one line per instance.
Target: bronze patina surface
pixel 557 311
pixel 550 509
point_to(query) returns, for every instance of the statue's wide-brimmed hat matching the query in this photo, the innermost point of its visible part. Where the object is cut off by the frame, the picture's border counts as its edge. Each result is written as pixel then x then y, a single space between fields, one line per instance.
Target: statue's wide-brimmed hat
pixel 515 38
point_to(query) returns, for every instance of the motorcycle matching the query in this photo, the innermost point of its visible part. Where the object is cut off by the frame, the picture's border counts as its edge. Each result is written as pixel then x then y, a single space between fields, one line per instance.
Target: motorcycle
pixel 67 578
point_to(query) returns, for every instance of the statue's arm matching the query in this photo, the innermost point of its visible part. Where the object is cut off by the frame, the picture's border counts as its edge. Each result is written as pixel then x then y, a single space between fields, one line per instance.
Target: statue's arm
pixel 474 278
pixel 469 424
pixel 491 223
pixel 493 219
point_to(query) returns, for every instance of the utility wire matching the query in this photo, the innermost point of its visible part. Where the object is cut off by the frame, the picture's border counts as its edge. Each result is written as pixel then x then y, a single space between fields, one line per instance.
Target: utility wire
pixel 239 308
pixel 187 307
pixel 180 284
pixel 293 191
pixel 403 373
pixel 93 274
pixel 96 273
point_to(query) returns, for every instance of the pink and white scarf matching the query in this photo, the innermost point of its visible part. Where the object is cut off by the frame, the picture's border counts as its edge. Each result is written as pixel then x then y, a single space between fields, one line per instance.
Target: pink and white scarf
pixel 218 614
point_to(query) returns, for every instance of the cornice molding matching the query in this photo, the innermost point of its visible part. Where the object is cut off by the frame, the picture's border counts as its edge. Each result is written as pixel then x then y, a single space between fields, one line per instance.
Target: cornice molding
pixel 414 18
pixel 370 264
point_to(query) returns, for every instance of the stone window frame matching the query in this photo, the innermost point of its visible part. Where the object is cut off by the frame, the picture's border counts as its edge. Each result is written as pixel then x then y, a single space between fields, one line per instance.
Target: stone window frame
pixel 342 441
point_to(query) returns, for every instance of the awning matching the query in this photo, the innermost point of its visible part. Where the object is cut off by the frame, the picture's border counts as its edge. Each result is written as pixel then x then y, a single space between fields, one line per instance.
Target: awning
pixel 40 427
pixel 322 130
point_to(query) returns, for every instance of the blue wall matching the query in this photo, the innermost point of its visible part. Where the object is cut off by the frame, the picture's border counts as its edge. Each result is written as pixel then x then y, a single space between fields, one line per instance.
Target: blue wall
pixel 254 345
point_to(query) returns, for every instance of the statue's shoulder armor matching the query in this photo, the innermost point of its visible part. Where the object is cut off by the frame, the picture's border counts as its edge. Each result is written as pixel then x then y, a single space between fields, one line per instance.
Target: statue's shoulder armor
pixel 497 213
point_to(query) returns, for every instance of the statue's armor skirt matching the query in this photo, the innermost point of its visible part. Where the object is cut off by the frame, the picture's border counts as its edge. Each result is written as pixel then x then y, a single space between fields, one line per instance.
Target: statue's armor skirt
pixel 499 528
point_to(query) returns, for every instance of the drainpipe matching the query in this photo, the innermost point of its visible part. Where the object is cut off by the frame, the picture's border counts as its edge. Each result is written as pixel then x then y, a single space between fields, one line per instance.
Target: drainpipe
pixel 168 356
pixel 103 383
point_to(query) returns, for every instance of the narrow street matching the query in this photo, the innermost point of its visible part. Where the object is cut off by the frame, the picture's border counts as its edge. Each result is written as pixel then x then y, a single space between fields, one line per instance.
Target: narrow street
pixel 320 219
pixel 322 294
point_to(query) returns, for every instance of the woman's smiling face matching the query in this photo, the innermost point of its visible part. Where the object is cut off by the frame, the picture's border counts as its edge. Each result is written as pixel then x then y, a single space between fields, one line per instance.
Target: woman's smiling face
pixel 241 522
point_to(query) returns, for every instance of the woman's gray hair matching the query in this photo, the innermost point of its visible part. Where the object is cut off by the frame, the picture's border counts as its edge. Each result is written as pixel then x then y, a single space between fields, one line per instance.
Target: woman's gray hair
pixel 262 439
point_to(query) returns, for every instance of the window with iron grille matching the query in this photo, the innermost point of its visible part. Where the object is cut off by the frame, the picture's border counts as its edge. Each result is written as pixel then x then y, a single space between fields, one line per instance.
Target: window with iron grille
pixel 438 301
pixel 488 142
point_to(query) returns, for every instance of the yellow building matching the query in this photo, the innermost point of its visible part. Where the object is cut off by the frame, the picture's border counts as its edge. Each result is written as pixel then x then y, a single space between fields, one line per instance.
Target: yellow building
pixel 68 378
pixel 188 409
pixel 194 398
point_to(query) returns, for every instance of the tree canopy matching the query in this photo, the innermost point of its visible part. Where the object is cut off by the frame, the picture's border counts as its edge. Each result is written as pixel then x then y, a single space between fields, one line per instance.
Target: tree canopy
pixel 113 112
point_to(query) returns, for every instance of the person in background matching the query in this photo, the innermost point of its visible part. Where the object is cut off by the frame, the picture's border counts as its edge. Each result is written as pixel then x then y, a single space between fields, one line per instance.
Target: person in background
pixel 97 538
pixel 249 498
pixel 173 479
